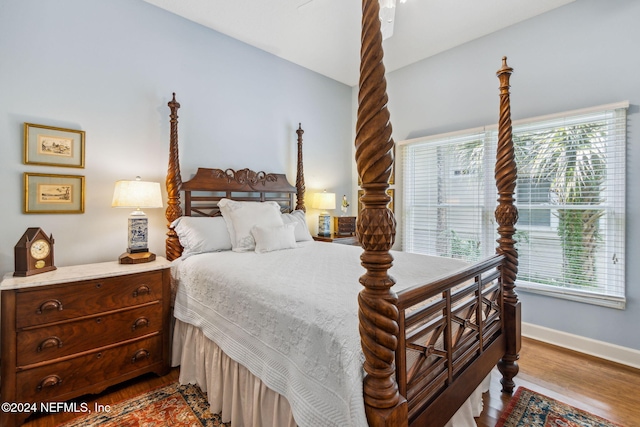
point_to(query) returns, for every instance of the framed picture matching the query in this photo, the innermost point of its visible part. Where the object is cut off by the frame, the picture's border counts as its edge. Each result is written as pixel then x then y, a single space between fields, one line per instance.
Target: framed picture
pixel 390 192
pixel 47 145
pixel 46 193
pixel 392 179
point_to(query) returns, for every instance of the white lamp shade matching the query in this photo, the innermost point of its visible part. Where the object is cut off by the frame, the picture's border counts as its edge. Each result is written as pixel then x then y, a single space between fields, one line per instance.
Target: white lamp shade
pixel 137 194
pixel 324 201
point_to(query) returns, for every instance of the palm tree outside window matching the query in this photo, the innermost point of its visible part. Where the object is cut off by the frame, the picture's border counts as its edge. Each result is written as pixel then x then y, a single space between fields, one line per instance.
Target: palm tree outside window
pixel 569 193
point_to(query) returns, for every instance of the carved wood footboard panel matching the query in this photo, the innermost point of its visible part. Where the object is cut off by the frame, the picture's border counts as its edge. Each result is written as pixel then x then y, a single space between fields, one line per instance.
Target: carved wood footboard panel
pixel 445 327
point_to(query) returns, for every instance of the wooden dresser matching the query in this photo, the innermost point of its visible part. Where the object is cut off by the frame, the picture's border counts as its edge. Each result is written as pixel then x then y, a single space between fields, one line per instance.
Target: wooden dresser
pixel 80 329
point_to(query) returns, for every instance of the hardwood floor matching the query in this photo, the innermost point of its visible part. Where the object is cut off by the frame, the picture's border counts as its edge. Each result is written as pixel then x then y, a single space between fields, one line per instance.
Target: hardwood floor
pixel 598 386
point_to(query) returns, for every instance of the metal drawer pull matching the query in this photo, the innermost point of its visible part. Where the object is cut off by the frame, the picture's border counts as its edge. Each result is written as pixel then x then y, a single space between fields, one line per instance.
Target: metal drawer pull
pixel 50 381
pixel 49 342
pixel 52 304
pixel 142 289
pixel 139 323
pixel 140 354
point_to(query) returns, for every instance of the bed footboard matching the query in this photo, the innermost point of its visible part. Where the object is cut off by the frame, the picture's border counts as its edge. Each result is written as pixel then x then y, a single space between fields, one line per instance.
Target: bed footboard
pixel 451 337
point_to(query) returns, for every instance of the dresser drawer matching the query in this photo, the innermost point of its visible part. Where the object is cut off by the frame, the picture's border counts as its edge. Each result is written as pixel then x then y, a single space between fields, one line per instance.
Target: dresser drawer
pixel 63 339
pixel 46 382
pixel 83 298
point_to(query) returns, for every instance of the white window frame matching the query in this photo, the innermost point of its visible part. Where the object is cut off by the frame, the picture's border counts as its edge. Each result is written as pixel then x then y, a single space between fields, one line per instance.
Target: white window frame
pixel 614 298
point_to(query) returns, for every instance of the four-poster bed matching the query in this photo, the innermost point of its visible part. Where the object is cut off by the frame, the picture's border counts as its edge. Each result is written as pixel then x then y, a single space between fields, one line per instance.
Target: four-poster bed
pixel 425 347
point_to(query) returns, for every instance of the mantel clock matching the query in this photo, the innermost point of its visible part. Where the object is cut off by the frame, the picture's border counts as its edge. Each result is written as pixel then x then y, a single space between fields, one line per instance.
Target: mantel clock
pixel 33 253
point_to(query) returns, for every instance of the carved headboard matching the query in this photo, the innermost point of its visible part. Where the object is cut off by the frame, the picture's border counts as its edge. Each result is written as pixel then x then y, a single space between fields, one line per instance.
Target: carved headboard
pixel 211 185
pixel 208 186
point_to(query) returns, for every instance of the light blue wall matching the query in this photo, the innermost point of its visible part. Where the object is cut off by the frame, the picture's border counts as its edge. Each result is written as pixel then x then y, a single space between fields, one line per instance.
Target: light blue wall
pixel 581 55
pixel 109 68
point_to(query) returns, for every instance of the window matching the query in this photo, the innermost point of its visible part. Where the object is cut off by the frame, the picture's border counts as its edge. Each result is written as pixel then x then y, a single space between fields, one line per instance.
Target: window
pixel 570 196
pixel 444 201
pixel 534 197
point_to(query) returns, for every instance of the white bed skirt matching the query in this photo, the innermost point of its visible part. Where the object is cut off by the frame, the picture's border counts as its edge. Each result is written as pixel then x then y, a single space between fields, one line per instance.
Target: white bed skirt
pixel 240 397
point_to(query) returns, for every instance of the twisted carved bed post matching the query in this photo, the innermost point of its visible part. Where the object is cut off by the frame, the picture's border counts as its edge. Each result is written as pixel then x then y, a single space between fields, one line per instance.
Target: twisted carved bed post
pixel 300 173
pixel 376 227
pixel 173 182
pixel 507 216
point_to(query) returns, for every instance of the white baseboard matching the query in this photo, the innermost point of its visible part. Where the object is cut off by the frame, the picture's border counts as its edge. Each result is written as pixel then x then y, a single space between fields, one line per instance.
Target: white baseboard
pixel 615 353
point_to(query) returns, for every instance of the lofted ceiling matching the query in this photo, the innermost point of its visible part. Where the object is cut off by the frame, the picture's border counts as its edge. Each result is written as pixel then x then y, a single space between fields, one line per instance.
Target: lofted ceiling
pixel 324 35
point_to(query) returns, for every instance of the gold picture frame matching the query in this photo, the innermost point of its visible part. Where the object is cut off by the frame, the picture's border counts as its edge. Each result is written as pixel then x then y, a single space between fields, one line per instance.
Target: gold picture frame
pixel 53 194
pixel 391 192
pixel 53 146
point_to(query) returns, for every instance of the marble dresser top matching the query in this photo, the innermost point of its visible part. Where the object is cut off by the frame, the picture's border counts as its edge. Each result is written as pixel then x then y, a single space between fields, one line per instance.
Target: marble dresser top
pixel 81 272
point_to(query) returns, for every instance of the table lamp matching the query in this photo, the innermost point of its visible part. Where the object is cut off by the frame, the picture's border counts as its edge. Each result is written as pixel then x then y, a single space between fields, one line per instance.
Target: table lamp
pixel 137 195
pixel 324 201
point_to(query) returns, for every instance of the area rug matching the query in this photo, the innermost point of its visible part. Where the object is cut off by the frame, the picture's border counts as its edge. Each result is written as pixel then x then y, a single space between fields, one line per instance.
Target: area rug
pixel 530 409
pixel 173 405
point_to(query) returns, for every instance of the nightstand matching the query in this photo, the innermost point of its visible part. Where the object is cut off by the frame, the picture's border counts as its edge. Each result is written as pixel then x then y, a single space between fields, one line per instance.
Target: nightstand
pixel 80 329
pixel 344 240
pixel 344 225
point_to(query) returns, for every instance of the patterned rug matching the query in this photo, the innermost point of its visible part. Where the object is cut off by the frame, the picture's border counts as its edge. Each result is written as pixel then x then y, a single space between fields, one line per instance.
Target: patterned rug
pixel 530 409
pixel 173 405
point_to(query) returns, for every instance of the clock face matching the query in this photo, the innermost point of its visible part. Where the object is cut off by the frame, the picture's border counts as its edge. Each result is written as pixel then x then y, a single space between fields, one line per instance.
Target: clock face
pixel 40 249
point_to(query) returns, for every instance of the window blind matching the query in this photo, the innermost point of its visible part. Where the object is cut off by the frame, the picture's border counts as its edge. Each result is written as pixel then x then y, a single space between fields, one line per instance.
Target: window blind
pixel 444 197
pixel 570 195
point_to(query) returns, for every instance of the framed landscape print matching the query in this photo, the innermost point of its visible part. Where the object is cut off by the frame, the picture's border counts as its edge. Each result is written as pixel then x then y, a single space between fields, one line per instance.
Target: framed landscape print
pixel 47 193
pixel 47 145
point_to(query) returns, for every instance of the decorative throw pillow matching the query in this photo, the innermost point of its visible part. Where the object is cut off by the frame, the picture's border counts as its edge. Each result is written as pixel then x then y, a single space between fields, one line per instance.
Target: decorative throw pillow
pixel 274 238
pixel 300 220
pixel 202 234
pixel 242 216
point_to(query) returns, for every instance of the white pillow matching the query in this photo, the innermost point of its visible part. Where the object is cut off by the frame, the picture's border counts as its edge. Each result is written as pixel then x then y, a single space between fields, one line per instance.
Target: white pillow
pixel 242 216
pixel 274 238
pixel 202 234
pixel 300 220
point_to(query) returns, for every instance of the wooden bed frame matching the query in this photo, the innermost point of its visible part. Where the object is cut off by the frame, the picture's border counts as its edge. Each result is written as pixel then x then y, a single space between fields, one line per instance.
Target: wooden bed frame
pixel 422 359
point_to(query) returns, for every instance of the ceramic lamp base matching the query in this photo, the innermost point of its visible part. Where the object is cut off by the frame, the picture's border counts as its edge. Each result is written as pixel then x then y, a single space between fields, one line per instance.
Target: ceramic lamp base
pixel 324 225
pixel 138 230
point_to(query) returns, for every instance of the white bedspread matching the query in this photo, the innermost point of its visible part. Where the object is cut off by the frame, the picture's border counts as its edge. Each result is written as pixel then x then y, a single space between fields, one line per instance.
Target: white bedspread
pixel 290 317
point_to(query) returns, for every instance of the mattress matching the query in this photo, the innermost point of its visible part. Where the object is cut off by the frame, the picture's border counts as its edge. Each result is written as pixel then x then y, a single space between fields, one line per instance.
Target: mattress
pixel 290 318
